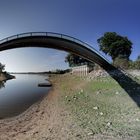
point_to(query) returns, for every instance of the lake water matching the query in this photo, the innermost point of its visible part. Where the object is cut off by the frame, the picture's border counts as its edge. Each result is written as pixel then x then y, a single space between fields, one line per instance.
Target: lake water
pixel 18 94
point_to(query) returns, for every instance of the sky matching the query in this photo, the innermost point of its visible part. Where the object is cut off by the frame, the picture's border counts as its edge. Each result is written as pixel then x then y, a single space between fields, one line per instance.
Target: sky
pixel 86 20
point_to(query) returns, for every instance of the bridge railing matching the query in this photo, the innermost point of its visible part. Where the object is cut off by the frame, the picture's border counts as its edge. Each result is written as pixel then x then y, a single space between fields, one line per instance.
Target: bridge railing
pixel 51 34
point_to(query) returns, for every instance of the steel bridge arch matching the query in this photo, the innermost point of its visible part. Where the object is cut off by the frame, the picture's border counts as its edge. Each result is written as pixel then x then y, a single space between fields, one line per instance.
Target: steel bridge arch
pixel 55 41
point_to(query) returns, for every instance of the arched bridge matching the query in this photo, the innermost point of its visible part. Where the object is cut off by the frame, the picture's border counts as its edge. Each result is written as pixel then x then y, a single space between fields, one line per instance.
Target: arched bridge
pixel 56 41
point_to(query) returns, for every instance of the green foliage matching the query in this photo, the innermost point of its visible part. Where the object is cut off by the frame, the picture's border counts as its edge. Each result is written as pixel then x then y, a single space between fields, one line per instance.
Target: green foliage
pixel 138 58
pixel 134 64
pixel 2 67
pixel 58 71
pixel 75 60
pixel 115 45
pixel 121 63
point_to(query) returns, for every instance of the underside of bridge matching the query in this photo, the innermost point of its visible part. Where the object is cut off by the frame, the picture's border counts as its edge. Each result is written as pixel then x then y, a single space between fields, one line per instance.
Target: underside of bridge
pixel 55 41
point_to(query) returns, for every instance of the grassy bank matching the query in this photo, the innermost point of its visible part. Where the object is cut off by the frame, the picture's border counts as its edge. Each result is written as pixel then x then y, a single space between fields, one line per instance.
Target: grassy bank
pixel 101 107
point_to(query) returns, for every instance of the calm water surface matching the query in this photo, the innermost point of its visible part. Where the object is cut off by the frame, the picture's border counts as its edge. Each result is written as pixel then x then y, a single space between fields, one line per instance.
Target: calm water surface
pixel 18 94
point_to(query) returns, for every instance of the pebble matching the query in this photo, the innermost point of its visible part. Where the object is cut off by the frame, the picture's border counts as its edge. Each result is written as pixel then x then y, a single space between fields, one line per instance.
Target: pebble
pixel 75 98
pixel 109 123
pixel 78 135
pixel 98 92
pixel 90 133
pixel 82 91
pixel 95 107
pixel 101 113
pixel 137 119
pixel 90 122
pixel 79 93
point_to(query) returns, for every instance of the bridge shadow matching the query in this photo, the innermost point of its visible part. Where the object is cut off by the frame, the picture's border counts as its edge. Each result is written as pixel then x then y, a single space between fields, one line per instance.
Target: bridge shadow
pixel 129 83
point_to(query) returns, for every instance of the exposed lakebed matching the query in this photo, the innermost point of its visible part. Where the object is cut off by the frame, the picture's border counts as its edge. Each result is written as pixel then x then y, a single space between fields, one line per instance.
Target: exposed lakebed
pixel 19 94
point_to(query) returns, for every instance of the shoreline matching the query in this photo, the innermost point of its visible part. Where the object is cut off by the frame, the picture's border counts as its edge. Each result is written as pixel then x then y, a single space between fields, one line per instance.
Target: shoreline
pixel 62 114
pixel 5 76
pixel 11 127
pixel 44 119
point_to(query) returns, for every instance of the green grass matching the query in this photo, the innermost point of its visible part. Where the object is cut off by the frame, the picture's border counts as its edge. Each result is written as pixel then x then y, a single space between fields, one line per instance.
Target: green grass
pixel 102 106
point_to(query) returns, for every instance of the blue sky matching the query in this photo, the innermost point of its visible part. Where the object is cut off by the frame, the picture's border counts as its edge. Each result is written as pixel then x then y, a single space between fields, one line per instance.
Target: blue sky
pixel 86 20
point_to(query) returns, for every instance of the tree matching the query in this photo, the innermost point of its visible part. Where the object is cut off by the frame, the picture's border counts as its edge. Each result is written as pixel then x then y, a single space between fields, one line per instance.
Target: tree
pixel 2 67
pixel 122 63
pixel 75 60
pixel 137 63
pixel 138 58
pixel 115 45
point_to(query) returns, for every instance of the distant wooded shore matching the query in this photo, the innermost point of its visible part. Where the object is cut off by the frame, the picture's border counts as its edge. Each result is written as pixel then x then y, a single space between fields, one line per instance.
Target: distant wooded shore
pixel 46 72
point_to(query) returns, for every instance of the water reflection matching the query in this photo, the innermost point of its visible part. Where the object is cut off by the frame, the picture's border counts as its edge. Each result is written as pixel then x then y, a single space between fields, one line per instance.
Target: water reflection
pixel 2 84
pixel 20 93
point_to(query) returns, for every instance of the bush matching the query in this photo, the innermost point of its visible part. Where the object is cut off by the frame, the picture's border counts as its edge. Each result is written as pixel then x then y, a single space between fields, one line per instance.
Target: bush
pixel 134 65
pixel 122 63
